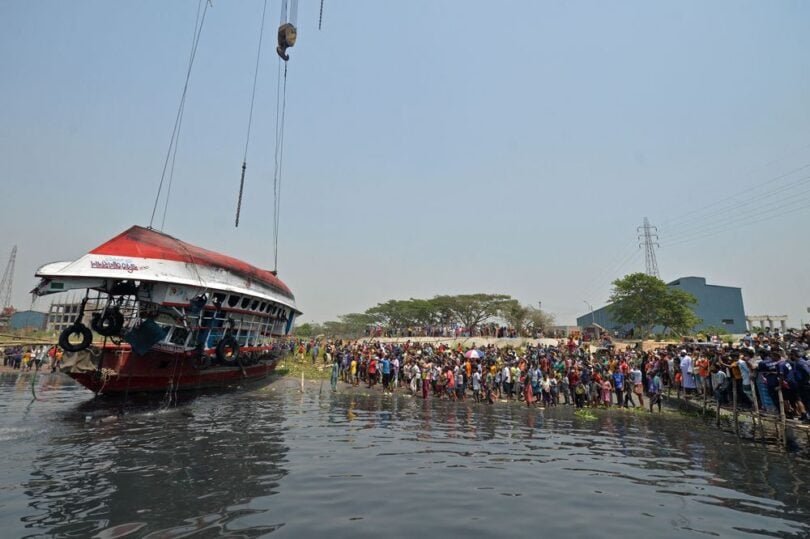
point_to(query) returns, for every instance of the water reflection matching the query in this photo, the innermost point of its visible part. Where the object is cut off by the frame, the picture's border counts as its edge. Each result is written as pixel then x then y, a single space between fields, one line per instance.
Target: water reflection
pixel 169 471
pixel 665 475
pixel 351 464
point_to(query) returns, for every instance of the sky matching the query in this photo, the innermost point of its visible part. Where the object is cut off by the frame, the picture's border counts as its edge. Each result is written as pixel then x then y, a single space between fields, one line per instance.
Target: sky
pixel 431 146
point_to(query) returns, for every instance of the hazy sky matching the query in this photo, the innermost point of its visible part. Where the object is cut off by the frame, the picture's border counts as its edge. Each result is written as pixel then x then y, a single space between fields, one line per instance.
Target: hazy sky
pixel 432 146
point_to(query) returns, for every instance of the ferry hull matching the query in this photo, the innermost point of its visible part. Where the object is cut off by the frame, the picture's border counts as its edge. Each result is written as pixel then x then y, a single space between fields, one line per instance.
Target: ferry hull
pixel 122 372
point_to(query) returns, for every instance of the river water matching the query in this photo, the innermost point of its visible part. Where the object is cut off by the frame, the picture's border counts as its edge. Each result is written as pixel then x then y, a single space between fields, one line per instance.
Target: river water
pixel 281 462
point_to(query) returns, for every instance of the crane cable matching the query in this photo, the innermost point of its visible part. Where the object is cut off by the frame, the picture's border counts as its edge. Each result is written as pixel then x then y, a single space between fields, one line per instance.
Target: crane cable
pixel 320 17
pixel 178 121
pixel 250 116
pixel 281 113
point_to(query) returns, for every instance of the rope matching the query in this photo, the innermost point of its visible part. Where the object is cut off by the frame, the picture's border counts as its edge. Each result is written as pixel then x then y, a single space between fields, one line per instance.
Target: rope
pixel 250 116
pixel 320 17
pixel 241 190
pixel 178 120
pixel 281 113
pixel 34 380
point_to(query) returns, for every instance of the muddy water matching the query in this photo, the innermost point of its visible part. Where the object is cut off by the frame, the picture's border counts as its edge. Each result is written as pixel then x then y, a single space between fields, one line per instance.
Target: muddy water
pixel 275 461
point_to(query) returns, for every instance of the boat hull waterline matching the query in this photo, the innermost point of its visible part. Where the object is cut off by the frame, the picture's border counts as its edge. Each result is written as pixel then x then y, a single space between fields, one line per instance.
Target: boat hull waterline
pixel 122 372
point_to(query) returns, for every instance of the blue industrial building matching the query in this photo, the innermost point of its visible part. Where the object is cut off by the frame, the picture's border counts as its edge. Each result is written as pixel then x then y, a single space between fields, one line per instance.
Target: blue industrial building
pixel 28 320
pixel 718 306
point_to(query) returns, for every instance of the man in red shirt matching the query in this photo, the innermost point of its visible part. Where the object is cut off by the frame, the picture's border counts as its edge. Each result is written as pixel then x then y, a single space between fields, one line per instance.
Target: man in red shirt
pixel 450 387
pixel 372 371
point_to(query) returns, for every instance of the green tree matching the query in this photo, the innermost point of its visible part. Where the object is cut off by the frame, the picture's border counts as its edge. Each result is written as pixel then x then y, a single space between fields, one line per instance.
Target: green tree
pixel 515 314
pixel 645 301
pixel 527 320
pixel 398 314
pixel 677 312
pixel 352 325
pixel 307 329
pixel 471 310
pixel 538 321
pixel 442 309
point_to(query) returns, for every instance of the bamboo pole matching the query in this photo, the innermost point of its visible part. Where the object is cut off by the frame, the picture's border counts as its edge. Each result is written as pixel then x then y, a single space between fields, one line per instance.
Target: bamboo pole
pixel 735 411
pixel 704 386
pixel 758 414
pixel 717 417
pixel 782 419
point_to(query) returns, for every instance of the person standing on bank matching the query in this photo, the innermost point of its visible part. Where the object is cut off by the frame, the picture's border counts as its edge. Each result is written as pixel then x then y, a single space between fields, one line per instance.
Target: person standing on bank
pixel 687 373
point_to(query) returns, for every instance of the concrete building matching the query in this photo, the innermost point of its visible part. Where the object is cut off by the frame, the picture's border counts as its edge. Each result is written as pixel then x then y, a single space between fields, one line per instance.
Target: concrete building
pixel 28 320
pixel 717 306
pixel 62 315
pixel 766 321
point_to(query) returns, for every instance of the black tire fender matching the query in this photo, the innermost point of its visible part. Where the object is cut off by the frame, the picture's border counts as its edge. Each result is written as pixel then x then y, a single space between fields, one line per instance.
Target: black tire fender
pixel 77 328
pixel 227 343
pixel 109 323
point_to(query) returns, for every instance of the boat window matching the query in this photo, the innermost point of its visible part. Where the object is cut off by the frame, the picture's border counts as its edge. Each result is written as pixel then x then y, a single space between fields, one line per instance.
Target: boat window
pixel 262 307
pixel 219 297
pixel 233 301
pixel 245 303
pixel 254 305
pixel 179 336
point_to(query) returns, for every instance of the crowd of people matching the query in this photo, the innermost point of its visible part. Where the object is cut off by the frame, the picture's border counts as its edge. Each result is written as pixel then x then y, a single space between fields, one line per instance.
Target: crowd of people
pixel 447 331
pixel 28 358
pixel 769 370
pixel 579 373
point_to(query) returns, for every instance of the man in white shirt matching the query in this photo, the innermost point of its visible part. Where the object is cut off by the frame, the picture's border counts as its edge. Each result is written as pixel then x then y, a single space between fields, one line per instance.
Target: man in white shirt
pixel 687 373
pixel 476 386
pixel 506 379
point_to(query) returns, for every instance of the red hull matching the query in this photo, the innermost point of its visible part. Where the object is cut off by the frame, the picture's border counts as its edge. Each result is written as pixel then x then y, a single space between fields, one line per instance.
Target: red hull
pixel 124 372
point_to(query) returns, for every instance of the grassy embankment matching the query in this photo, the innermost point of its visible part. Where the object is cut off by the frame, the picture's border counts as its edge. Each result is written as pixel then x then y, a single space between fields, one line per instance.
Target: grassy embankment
pixel 292 365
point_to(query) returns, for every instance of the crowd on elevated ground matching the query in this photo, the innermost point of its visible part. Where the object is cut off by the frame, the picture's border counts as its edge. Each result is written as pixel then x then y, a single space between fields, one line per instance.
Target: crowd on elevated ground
pixel 578 373
pixel 449 331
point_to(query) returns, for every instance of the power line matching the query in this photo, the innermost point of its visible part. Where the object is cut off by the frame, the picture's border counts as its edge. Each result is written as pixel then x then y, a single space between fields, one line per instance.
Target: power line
pixel 748 219
pixel 635 255
pixel 754 204
pixel 703 222
pixel 738 194
pixel 609 268
pixel 766 208
pixel 619 256
pixel 178 120
pixel 608 277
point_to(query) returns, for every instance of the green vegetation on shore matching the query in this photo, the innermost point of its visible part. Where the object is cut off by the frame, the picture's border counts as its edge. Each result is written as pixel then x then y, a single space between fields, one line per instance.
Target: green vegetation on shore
pixel 467 310
pixel 292 365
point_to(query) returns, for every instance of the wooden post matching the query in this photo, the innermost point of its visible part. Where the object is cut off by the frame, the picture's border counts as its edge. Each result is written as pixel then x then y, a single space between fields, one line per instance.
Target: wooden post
pixel 757 414
pixel 782 418
pixel 705 387
pixel 670 381
pixel 717 418
pixel 735 412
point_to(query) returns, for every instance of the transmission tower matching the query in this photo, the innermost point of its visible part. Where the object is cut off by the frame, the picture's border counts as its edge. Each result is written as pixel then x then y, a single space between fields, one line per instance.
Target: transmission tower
pixel 648 238
pixel 8 281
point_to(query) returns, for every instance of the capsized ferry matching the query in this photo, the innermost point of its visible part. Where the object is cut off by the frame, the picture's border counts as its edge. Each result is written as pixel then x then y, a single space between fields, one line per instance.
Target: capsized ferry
pixel 161 314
